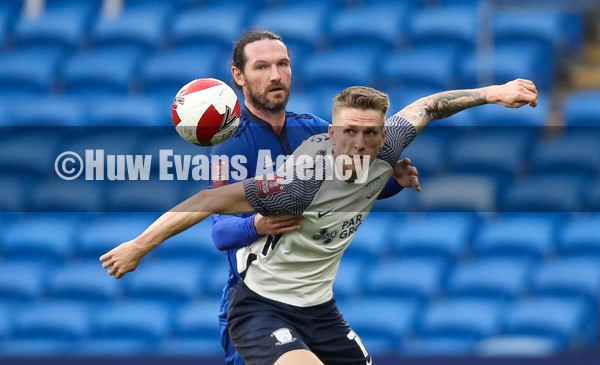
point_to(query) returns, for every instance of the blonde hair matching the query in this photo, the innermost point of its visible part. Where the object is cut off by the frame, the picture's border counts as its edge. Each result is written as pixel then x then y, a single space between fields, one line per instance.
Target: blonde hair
pixel 361 97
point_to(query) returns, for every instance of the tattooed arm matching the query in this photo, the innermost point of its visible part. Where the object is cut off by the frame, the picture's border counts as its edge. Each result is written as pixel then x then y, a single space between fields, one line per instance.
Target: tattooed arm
pixel 513 94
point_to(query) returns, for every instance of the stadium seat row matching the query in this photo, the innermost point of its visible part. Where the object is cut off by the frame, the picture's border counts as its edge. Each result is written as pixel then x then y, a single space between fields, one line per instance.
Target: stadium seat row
pixel 150 327
pixel 64 237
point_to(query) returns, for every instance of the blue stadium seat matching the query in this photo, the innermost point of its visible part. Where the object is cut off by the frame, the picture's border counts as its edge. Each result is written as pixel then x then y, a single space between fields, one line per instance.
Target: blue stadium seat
pixel 21 281
pixel 85 282
pixel 349 281
pixel 489 279
pixel 42 239
pixel 132 110
pixel 549 193
pixel 518 346
pixel 303 102
pixel 112 141
pixel 50 28
pixel 577 152
pixel 437 346
pixel 197 319
pixel 460 318
pixel 338 68
pixel 427 152
pixel 401 96
pixel 217 24
pixel 214 284
pixel 9 13
pixel 503 64
pixel 55 110
pixel 457 193
pixel 101 71
pixel 132 320
pixel 166 72
pixel 40 347
pixel 356 25
pixel 562 320
pixel 96 347
pixel 438 235
pixel 493 115
pixel 140 24
pixel 372 237
pixel 420 67
pixel 479 153
pixel 28 71
pixel 544 28
pixel 416 279
pixel 191 347
pixel 306 36
pixel 453 27
pixel 323 96
pixel 195 330
pixel 13 193
pixel 524 237
pixel 593 197
pixel 66 196
pixel 194 244
pixel 580 237
pixel 581 108
pixel 5 322
pixel 25 155
pixel 569 277
pixel 169 282
pixel 142 196
pixel 105 233
pixel 388 322
pixel 54 320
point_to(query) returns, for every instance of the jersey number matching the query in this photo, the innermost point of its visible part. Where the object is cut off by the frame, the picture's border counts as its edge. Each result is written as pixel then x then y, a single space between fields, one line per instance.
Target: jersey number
pixel 271 243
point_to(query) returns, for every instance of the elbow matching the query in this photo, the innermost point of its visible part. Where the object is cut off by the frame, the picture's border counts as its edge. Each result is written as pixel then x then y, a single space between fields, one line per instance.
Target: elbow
pixel 205 201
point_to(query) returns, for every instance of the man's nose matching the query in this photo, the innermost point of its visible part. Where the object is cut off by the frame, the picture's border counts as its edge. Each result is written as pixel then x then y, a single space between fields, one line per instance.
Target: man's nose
pixel 359 141
pixel 274 75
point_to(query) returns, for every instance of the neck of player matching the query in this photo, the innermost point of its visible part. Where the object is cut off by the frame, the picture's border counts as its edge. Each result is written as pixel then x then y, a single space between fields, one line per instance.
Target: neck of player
pixel 275 118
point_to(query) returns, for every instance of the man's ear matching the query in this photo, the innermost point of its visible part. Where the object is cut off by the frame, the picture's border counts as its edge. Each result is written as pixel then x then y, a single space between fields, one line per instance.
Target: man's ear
pixel 238 76
pixel 383 137
pixel 330 130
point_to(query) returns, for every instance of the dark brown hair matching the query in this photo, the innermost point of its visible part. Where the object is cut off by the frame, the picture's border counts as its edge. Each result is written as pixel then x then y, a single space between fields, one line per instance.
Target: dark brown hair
pixel 239 57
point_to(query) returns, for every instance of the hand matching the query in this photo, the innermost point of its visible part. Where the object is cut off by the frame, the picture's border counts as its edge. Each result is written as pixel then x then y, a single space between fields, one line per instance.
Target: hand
pixel 276 224
pixel 122 259
pixel 514 94
pixel 407 175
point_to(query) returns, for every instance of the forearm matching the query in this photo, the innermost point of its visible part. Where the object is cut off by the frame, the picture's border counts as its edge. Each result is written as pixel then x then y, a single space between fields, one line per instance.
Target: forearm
pixel 513 94
pixel 171 223
pixel 233 231
pixel 443 105
pixel 225 200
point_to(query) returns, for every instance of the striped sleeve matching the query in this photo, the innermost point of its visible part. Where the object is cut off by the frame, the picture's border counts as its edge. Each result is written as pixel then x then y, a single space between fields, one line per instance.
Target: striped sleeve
pixel 270 196
pixel 400 133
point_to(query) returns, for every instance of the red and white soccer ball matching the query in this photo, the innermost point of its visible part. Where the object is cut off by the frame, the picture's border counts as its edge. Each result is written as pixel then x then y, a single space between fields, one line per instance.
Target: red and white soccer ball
pixel 206 112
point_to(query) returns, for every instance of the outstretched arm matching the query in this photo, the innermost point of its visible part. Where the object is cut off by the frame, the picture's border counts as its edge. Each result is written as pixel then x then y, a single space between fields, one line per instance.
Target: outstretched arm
pixel 513 94
pixel 229 199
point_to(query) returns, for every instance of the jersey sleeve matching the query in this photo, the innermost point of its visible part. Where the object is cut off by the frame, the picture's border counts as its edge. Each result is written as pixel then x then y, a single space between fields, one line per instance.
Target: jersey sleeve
pixel 230 232
pixel 272 195
pixel 288 192
pixel 400 133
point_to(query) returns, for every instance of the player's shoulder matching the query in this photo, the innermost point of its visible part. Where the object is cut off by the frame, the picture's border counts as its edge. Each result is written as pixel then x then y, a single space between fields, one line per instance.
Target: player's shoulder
pixel 305 119
pixel 317 144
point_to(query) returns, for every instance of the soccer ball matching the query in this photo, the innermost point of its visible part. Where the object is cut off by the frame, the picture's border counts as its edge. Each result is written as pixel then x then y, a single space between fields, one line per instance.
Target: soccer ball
pixel 206 112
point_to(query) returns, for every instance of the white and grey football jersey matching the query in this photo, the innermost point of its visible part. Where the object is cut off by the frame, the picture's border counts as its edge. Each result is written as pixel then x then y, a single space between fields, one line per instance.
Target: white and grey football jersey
pixel 298 268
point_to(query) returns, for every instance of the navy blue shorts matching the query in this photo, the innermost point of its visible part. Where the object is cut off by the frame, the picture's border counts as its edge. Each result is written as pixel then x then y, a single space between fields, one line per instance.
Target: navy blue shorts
pixel 262 330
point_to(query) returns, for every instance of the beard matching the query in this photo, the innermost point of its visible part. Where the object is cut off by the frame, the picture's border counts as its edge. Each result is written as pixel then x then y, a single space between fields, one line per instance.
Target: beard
pixel 261 100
